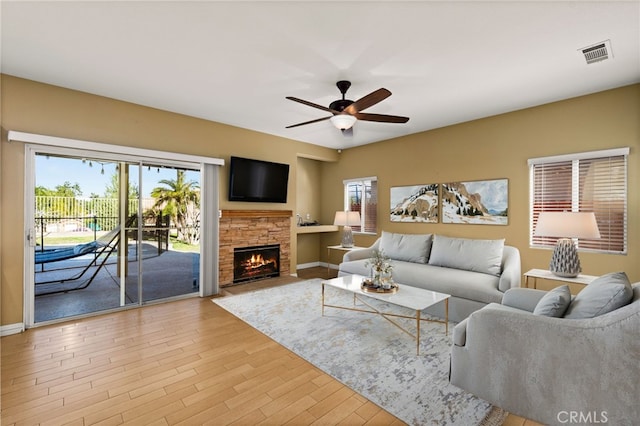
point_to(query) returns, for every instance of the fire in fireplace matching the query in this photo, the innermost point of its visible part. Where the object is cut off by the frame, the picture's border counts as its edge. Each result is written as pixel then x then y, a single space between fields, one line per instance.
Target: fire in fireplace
pixel 254 263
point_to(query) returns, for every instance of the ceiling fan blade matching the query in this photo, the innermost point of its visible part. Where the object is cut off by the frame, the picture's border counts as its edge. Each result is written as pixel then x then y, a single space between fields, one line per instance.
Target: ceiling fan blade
pixel 381 118
pixel 308 122
pixel 311 104
pixel 368 101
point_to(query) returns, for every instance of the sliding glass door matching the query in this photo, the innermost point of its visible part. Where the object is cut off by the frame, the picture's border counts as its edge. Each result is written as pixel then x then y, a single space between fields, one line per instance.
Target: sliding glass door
pixel 164 250
pixel 110 232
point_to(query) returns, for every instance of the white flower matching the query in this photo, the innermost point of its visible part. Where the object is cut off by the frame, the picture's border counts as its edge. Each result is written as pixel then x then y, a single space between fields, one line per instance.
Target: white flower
pixel 379 262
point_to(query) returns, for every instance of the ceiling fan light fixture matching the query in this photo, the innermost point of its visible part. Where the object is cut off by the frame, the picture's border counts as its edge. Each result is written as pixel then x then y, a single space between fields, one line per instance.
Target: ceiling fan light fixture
pixel 346 112
pixel 343 121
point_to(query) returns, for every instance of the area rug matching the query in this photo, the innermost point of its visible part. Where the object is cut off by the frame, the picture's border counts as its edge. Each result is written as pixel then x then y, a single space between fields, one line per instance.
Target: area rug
pixel 365 352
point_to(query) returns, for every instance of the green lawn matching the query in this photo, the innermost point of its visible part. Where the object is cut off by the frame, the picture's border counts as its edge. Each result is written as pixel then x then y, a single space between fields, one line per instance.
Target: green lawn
pixel 180 246
pixel 71 240
pixel 66 240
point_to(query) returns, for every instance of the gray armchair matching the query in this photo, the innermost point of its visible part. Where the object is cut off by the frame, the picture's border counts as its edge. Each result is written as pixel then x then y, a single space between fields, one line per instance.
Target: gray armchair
pixel 551 370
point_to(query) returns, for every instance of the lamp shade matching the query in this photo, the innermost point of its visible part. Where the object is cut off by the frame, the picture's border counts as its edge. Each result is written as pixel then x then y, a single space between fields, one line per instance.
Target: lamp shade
pixel 347 219
pixel 343 121
pixel 567 225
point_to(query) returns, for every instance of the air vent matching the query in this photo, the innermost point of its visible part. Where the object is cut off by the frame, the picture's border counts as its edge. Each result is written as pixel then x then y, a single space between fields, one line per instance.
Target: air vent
pixel 597 52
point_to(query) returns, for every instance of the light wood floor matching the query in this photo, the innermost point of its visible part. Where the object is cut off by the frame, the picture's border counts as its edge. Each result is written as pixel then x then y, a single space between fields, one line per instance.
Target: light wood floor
pixel 187 362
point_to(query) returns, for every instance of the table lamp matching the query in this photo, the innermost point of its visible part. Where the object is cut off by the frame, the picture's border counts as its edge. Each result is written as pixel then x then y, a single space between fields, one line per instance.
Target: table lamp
pixel 347 220
pixel 566 225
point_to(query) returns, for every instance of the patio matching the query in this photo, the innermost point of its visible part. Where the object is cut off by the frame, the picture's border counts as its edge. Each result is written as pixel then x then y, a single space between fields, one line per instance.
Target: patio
pixel 170 274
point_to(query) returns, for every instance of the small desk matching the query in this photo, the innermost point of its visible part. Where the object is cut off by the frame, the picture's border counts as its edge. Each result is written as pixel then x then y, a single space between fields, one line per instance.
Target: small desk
pixel 548 275
pixel 338 247
pixel 316 229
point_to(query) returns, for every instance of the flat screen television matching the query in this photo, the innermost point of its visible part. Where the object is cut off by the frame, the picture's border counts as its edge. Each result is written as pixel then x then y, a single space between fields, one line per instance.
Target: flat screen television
pixel 257 181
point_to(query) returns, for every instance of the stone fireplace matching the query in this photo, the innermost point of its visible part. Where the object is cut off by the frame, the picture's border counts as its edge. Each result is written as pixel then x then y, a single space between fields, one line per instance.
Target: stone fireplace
pixel 253 228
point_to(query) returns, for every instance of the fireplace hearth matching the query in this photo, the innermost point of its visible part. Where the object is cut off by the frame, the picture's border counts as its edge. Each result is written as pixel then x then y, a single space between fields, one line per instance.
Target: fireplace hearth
pixel 256 263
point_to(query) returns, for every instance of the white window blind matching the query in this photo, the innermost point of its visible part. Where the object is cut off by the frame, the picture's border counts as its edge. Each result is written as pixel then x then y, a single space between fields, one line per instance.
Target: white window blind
pixel 585 182
pixel 361 195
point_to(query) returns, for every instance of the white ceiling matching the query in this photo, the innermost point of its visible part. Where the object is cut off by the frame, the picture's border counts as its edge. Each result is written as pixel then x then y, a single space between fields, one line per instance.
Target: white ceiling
pixel 234 62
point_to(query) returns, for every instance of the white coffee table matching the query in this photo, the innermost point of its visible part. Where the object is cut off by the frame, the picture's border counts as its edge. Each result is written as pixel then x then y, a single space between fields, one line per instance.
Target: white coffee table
pixel 407 296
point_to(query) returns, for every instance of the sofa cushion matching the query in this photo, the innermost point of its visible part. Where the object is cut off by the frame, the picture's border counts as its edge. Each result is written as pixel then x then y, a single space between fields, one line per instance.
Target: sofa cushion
pixel 468 254
pixel 554 303
pixel 356 267
pixel 604 294
pixel 458 283
pixel 408 247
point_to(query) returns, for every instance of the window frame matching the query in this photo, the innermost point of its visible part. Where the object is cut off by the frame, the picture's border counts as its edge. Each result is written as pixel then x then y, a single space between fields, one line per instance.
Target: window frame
pixel 364 182
pixel 574 178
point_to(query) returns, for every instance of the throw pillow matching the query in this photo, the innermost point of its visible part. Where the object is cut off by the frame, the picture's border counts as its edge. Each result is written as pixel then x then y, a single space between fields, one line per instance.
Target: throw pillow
pixel 469 254
pixel 554 303
pixel 604 294
pixel 408 247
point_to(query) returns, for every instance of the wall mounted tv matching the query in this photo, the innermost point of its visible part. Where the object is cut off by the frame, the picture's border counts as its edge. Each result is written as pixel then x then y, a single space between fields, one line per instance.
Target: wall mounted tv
pixel 257 181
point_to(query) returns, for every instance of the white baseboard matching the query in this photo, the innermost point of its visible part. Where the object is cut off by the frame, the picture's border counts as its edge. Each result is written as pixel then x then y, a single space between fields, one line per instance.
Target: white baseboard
pixel 310 265
pixel 332 266
pixel 8 329
pixel 316 264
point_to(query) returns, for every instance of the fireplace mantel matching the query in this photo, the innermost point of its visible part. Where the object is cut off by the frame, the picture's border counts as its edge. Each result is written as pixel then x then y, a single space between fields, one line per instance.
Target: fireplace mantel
pixel 256 213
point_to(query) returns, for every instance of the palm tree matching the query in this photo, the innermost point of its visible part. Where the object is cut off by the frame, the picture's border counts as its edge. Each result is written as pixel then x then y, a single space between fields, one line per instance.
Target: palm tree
pixel 175 200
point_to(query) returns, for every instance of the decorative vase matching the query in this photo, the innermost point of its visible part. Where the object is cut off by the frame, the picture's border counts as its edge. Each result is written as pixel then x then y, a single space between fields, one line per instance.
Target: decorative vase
pixel 376 279
pixel 380 268
pixel 386 280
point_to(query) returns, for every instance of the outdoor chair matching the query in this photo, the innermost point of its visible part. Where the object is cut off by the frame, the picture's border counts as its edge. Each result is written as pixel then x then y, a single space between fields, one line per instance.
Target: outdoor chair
pixel 101 248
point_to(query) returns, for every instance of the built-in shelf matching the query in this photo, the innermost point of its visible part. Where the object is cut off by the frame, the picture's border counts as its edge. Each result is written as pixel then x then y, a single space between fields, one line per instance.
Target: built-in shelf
pixel 316 229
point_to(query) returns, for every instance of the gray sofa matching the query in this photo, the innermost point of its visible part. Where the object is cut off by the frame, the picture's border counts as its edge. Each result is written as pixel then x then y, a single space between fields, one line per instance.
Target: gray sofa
pixel 549 368
pixel 474 272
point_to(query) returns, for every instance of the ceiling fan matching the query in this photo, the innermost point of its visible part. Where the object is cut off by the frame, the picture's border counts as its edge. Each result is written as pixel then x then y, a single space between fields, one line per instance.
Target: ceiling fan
pixel 346 112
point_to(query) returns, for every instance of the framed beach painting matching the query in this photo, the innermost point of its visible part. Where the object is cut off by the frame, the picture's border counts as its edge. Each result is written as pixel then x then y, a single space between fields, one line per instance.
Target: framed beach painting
pixel 482 202
pixel 417 203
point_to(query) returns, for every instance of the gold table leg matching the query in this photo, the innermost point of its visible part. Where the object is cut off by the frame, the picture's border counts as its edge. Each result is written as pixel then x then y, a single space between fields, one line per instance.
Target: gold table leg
pixel 328 261
pixel 417 332
pixel 386 316
pixel 446 317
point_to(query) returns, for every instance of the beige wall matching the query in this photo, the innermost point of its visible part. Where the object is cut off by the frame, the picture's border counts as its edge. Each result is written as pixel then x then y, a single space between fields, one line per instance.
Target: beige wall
pixel 33 107
pixel 309 184
pixel 308 188
pixel 498 147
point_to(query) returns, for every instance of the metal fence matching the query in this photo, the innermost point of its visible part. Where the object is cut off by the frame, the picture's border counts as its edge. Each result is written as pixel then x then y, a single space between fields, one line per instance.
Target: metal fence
pixel 69 214
pixel 57 216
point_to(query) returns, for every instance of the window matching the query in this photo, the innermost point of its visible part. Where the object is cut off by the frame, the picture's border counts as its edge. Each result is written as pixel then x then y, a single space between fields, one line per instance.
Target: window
pixel 585 182
pixel 361 195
